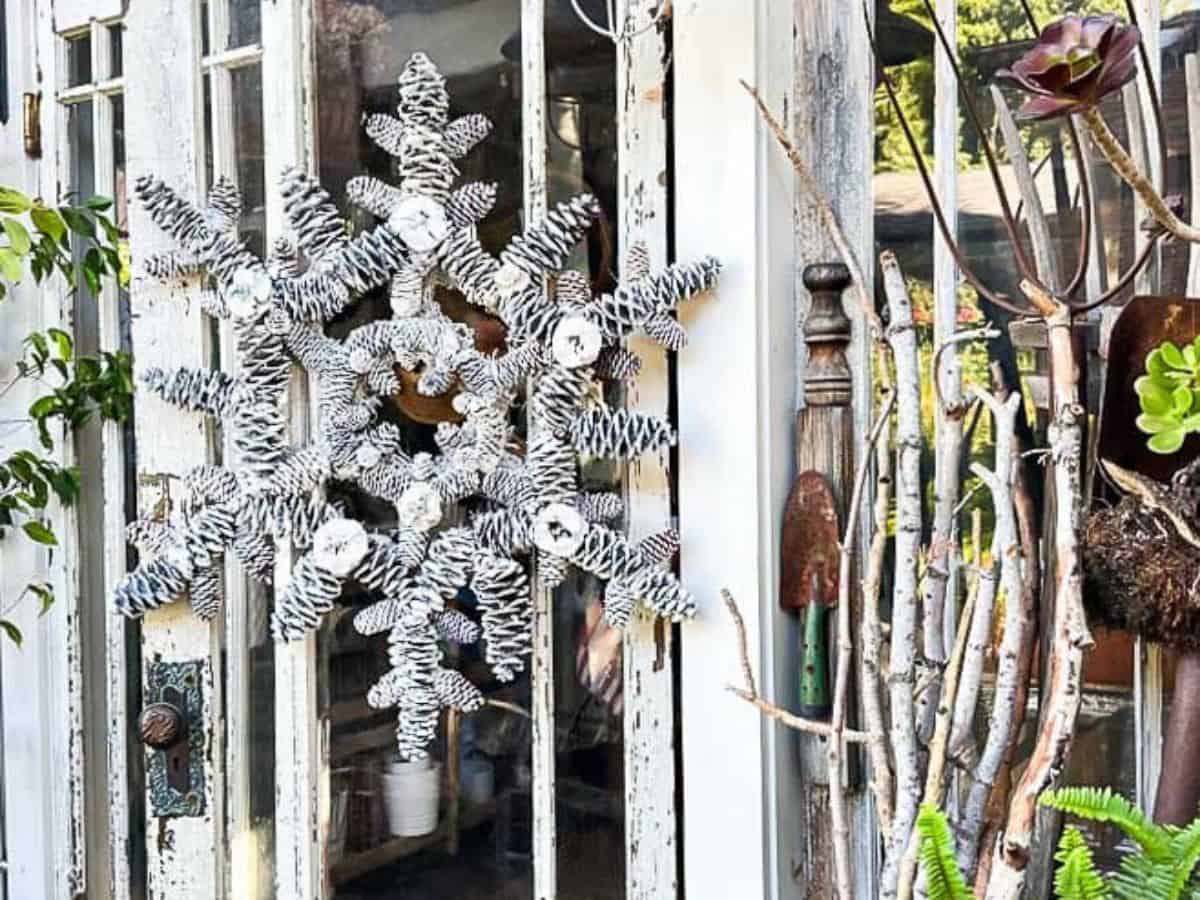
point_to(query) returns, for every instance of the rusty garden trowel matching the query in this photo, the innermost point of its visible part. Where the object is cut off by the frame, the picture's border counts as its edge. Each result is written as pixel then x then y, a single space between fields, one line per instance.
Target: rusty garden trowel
pixel 808 568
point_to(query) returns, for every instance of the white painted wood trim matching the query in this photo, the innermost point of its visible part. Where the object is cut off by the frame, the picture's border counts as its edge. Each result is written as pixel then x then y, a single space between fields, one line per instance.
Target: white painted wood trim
pixel 163 128
pixel 119 808
pixel 544 847
pixel 243 854
pixel 301 744
pixel 64 659
pixel 651 828
pixel 737 394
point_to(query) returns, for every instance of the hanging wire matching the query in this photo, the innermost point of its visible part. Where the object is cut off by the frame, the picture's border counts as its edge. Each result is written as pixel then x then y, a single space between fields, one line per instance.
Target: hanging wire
pixel 627 32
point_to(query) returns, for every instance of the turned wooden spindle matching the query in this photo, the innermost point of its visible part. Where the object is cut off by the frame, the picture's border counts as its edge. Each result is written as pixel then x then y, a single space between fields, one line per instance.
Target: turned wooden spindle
pixel 825 438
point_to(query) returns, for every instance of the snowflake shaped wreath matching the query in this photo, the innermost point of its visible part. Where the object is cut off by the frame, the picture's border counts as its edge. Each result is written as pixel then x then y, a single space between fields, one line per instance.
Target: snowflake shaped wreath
pixel 562 340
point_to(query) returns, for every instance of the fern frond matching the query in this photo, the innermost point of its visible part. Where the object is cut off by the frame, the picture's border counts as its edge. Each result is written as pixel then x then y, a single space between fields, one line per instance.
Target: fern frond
pixel 1142 878
pixel 1185 850
pixel 1102 805
pixel 943 880
pixel 1077 877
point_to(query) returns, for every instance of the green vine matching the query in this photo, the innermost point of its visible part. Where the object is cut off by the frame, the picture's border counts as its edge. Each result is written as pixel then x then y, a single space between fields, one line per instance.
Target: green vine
pixel 75 242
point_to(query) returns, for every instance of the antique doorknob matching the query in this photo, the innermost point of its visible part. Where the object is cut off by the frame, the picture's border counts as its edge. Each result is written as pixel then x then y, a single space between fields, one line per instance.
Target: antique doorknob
pixel 161 725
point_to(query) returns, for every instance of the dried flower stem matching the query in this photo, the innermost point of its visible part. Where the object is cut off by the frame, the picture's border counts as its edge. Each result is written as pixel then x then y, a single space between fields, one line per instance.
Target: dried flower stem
pixel 902 661
pixel 1124 165
pixel 750 694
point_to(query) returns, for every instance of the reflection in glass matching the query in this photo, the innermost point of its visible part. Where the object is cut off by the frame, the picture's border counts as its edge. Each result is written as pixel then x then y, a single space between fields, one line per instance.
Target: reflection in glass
pixel 79 60
pixel 588 666
pixel 116 50
pixel 382 842
pixel 247 88
pixel 395 829
pixel 245 23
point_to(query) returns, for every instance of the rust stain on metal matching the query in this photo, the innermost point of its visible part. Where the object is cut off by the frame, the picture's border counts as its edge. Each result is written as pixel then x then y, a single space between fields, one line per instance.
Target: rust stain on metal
pixel 809 545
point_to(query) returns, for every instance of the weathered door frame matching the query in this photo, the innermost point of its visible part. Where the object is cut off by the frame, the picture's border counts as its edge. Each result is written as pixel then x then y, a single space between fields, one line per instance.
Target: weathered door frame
pixel 195 850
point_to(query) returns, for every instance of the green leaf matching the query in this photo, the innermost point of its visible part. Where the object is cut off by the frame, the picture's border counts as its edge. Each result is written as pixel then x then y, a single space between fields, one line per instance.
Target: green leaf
pixel 1167 442
pixel 98 203
pixel 1077 877
pixel 62 342
pixel 10 265
pixel 1155 399
pixel 13 201
pixel 1181 400
pixel 1155 364
pixel 13 632
pixel 943 879
pixel 79 223
pixel 1154 424
pixel 1106 807
pixel 44 593
pixel 1172 356
pixel 36 531
pixel 18 236
pixel 49 222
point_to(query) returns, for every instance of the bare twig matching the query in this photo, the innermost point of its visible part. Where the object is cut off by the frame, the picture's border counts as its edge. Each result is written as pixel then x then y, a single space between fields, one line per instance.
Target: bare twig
pixel 749 693
pixel 902 679
pixel 508 707
pixel 1063 680
pixel 845 655
pixel 1008 550
pixel 825 211
pixel 935 777
pixel 871 686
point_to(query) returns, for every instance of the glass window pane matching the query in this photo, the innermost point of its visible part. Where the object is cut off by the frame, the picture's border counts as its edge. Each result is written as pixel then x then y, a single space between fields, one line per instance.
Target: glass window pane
pixel 116 50
pixel 245 22
pixel 248 141
pixel 479 846
pixel 205 35
pixel 120 204
pixel 589 692
pixel 79 60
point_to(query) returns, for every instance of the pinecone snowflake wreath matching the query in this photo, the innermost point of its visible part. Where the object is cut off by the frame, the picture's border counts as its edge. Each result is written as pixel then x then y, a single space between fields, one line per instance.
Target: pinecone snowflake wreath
pixel 440 575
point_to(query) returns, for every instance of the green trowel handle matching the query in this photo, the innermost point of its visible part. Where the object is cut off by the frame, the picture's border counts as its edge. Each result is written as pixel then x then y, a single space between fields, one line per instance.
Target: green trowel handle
pixel 815 700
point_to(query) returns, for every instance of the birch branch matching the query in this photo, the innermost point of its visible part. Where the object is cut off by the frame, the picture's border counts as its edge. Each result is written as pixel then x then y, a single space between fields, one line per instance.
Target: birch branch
pixel 948 450
pixel 935 778
pixel 845 656
pixel 902 662
pixel 1063 680
pixel 870 683
pixel 1007 542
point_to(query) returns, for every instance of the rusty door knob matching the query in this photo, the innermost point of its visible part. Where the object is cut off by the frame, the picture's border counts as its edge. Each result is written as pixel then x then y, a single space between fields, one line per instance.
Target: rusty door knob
pixel 161 725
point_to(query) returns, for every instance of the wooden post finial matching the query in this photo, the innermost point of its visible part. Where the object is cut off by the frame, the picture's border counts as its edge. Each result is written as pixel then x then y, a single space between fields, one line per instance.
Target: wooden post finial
pixel 827 381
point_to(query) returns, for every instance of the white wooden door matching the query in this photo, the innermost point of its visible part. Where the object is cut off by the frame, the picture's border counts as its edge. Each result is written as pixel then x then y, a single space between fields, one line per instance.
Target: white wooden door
pixel 271 800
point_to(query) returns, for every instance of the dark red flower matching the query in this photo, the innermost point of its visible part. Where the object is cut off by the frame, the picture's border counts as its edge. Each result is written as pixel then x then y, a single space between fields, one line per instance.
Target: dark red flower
pixel 1076 62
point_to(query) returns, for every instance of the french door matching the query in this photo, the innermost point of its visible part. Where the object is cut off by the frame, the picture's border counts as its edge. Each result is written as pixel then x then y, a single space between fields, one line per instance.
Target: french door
pixel 568 787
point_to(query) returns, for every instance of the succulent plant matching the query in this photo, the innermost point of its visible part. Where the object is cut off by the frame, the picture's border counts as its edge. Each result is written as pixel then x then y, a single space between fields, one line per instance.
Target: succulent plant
pixel 1076 62
pixel 1170 395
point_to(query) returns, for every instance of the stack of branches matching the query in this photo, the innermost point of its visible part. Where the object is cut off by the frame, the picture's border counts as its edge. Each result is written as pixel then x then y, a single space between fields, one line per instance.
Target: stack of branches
pixel 920 681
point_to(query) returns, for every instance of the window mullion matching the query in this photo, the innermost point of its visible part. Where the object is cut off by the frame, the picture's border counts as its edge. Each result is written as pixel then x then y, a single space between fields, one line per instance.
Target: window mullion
pixel 651 828
pixel 533 127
